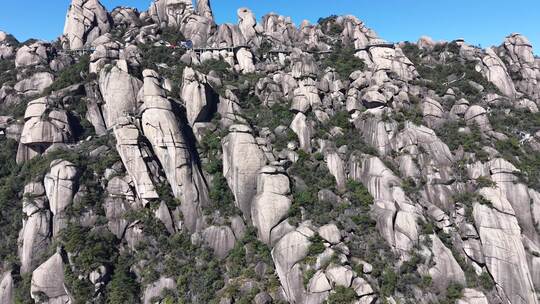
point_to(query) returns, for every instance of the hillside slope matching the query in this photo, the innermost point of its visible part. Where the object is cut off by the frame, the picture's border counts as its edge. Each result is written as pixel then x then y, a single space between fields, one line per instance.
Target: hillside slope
pixel 158 157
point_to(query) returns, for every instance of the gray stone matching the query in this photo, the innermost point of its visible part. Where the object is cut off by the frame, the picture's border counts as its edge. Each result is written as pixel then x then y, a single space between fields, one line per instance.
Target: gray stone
pixel 48 279
pixel 6 288
pixel 163 130
pixel 504 253
pixel 60 184
pixel 242 160
pixel 35 84
pixel 119 90
pixel 157 288
pixel 220 239
pixel 330 233
pixel 86 20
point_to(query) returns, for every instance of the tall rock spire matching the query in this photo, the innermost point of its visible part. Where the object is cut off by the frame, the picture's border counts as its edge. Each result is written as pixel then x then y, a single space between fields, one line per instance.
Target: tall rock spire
pixel 85 21
pixel 204 9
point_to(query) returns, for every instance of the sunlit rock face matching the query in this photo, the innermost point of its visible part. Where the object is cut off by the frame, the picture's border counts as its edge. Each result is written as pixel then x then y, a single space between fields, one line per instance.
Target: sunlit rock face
pixel 86 20
pixel 157 156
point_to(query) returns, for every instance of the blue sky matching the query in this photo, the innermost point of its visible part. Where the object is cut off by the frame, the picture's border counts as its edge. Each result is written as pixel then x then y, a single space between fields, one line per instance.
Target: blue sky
pixel 480 22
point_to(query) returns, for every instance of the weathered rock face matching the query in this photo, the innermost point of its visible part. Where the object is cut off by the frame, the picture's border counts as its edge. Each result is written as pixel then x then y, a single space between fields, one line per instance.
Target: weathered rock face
pixel 127 138
pixel 35 84
pixel 36 231
pixel 45 125
pixel 389 59
pixel 126 16
pixel 446 268
pixel 424 154
pixel 6 288
pixel 303 65
pixel 290 250
pixel 105 53
pixel 242 160
pixel 422 190
pixel 302 127
pixel 119 90
pixel 162 129
pixel 204 9
pixel 7 49
pixel 229 109
pixel 495 71
pixel 220 239
pixel 60 186
pixel 86 20
pixel 396 214
pixel 311 36
pixel 376 132
pixel 197 95
pixel 504 253
pixel 156 289
pixel 48 279
pixel 170 12
pixel 306 96
pixel 336 166
pixel 195 25
pixel 248 25
pixel 245 61
pixel 280 28
pixel 433 113
pixel 94 112
pixel 31 55
pixel 355 31
pixel 518 53
pixel 272 203
pixel 472 296
pixel 511 195
pixel 120 199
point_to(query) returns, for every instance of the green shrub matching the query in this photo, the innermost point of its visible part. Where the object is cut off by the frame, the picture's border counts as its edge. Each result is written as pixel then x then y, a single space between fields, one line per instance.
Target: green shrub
pixel 364 221
pixel 89 248
pixel 342 295
pixel 388 281
pixel 308 275
pixel 22 286
pixel 80 289
pixel 485 182
pixel 486 281
pixel 152 56
pixel 219 66
pixel 436 76
pixel 317 245
pixel 471 142
pixel 412 113
pixel 342 59
pixel 510 122
pixel 359 194
pixel 221 196
pixel 454 292
pixel 427 281
pixel 123 287
pixel 172 35
pixel 8 73
pixel 71 75
pixel 526 160
pixel 278 114
pixel 427 228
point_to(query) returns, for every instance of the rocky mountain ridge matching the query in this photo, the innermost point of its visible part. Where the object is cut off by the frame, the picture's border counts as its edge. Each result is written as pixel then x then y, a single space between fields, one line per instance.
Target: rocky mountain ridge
pixel 267 164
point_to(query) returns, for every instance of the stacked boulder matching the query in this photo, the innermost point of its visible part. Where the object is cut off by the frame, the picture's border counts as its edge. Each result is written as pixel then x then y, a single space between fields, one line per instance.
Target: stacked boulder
pixel 45 125
pixel 162 129
pixel 86 20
